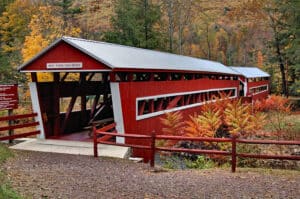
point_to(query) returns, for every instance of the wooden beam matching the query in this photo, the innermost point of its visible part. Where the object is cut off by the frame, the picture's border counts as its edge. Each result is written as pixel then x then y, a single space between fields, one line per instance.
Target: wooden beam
pixel 83 95
pixel 56 121
pixel 64 77
pixel 91 77
pixel 151 106
pixel 95 102
pixel 112 77
pixel 174 102
pixel 33 77
pixel 151 77
pixel 142 108
pixel 70 108
pixel 160 104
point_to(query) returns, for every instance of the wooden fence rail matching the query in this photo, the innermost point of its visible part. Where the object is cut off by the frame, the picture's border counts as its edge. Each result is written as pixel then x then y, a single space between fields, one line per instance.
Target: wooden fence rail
pixel 11 120
pixel 152 139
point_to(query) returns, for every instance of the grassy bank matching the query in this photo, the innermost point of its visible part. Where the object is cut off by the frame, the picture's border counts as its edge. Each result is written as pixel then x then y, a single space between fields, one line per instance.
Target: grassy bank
pixel 5 190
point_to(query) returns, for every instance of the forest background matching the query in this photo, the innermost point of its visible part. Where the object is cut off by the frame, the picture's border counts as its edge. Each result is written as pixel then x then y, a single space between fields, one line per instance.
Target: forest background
pixel 262 33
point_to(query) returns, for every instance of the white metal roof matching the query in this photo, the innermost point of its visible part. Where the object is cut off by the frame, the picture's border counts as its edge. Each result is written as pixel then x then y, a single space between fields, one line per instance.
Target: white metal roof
pixel 250 72
pixel 124 57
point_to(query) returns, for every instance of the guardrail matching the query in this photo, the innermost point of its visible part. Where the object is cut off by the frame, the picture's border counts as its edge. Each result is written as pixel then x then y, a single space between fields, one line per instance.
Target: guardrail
pixel 12 126
pixel 152 139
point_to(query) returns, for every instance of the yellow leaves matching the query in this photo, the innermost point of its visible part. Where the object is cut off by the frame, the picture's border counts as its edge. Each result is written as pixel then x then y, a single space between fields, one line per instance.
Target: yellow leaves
pixel 204 125
pixel 241 121
pixel 14 22
pixel 33 44
pixel 260 59
pixel 173 123
pixel 193 127
pixel 210 122
pixel 46 26
pixel 231 117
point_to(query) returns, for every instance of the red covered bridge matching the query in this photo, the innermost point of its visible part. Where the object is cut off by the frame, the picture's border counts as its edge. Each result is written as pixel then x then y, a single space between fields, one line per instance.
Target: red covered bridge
pixel 131 86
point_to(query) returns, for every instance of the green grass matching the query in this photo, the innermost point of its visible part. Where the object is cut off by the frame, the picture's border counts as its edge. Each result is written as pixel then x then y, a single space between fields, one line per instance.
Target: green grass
pixel 5 189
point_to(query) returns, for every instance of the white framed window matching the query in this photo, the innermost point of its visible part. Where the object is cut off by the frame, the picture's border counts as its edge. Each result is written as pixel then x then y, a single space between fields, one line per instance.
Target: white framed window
pixel 152 106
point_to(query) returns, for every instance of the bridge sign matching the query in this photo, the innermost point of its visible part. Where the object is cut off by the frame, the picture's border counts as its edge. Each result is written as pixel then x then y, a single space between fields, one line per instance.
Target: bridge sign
pixel 8 96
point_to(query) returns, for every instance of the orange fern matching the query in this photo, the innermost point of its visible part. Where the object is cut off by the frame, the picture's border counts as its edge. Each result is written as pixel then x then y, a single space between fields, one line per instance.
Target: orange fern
pixel 173 123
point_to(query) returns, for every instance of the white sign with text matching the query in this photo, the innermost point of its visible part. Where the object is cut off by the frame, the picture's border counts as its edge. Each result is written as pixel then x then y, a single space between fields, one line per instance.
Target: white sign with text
pixel 64 65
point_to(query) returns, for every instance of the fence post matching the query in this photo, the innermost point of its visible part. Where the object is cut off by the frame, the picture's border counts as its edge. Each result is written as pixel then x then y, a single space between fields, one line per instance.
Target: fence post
pixel 10 123
pixel 95 142
pixel 233 154
pixel 152 156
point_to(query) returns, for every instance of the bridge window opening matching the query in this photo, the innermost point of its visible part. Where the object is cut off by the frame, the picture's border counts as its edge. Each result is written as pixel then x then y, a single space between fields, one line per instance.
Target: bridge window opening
pixel 158 105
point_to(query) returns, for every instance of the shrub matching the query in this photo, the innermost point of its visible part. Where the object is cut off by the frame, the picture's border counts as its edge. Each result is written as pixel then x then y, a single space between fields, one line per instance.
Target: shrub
pixel 278 111
pixel 200 163
pixel 174 125
pixel 204 125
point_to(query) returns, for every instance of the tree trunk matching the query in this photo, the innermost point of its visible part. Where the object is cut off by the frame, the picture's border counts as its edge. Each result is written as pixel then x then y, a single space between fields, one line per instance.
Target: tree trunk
pixel 281 66
pixel 146 25
pixel 171 24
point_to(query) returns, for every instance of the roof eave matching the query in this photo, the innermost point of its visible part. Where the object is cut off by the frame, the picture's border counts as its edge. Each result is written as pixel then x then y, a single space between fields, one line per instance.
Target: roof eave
pixel 65 39
pixel 86 52
pixel 39 55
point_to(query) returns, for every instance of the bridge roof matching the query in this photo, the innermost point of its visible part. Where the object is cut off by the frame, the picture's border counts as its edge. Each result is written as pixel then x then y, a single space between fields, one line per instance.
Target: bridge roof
pixel 250 72
pixel 122 57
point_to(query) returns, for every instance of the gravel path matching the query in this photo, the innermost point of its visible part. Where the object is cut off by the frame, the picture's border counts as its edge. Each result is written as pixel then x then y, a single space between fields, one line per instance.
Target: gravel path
pixel 49 175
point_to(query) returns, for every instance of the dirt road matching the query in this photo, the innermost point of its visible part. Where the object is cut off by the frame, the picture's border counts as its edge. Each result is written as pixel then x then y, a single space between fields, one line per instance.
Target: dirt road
pixel 48 175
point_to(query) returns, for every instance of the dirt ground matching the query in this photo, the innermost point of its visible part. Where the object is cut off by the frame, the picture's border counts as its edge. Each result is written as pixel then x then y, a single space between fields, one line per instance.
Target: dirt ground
pixel 49 175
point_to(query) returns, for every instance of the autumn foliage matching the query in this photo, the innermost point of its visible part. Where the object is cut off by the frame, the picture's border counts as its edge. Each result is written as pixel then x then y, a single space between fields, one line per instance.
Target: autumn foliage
pixel 220 118
pixel 273 103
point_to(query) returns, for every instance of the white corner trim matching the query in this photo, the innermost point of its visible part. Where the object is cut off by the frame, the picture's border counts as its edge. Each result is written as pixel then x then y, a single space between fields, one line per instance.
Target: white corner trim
pixel 117 109
pixel 36 108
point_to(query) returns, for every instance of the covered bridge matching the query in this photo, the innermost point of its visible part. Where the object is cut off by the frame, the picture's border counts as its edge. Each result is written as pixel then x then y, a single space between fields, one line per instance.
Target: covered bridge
pixel 131 86
pixel 254 82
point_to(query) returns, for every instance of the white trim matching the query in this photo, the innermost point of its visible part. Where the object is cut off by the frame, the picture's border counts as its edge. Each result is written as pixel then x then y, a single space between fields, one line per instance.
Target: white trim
pixel 36 108
pixel 183 93
pixel 63 70
pixel 117 109
pixel 148 115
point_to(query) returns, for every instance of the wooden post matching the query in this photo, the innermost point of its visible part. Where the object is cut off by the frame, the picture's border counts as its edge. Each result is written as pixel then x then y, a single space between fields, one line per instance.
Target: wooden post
pixel 56 125
pixel 95 142
pixel 233 154
pixel 83 98
pixel 152 155
pixel 10 123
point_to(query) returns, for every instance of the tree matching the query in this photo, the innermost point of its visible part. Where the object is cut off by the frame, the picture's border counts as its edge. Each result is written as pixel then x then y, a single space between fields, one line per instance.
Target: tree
pixel 3 4
pixel 14 27
pixel 45 27
pixel 177 15
pixel 67 11
pixel 134 24
pixel 14 20
pixel 284 21
pixel 94 18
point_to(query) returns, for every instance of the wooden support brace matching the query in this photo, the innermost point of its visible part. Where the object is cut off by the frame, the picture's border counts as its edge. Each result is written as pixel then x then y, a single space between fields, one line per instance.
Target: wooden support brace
pixel 64 77
pixel 174 102
pixel 70 108
pixel 142 108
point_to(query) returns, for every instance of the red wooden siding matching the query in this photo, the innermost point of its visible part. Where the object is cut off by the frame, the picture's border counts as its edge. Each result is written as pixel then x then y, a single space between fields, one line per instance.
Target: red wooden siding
pixel 260 95
pixel 131 90
pixel 62 53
